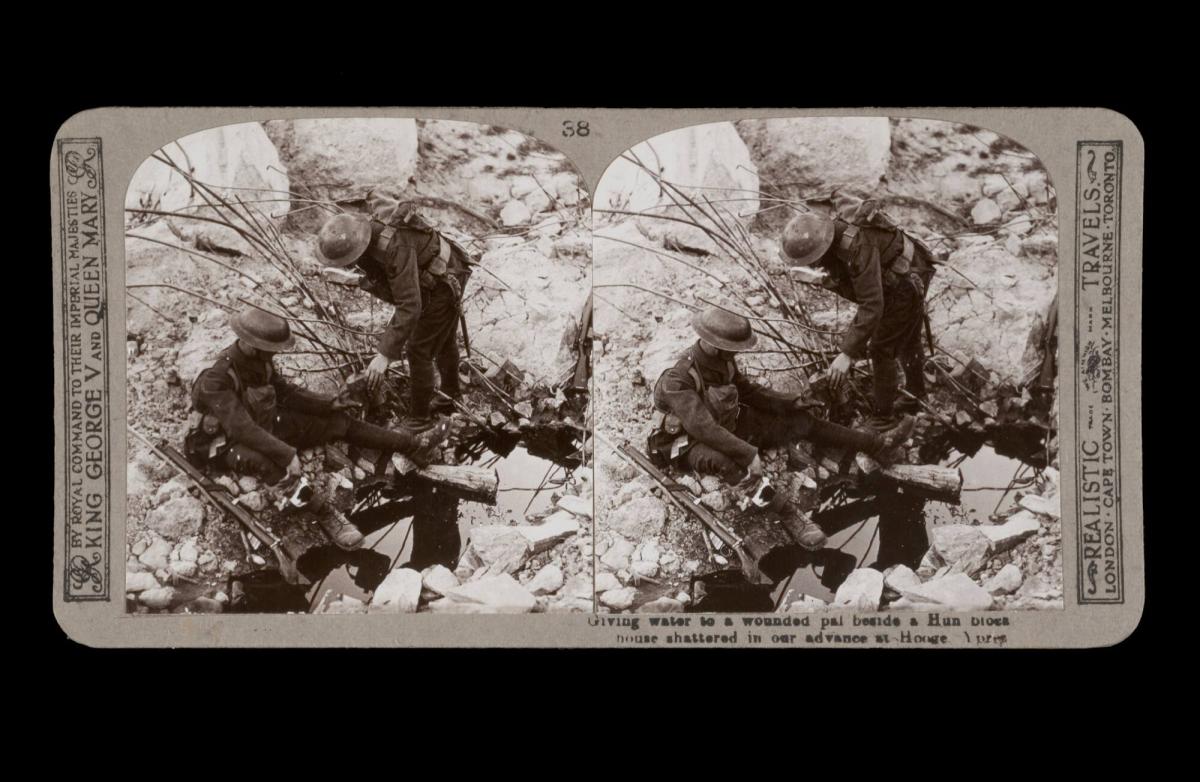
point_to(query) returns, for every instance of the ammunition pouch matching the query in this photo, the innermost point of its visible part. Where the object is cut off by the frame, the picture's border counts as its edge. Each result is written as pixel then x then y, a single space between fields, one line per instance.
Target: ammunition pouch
pixel 205 440
pixel 667 441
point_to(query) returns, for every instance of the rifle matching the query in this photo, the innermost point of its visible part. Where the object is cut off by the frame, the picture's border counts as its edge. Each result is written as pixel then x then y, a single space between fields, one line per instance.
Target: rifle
pixel 287 560
pixel 749 550
pixel 580 382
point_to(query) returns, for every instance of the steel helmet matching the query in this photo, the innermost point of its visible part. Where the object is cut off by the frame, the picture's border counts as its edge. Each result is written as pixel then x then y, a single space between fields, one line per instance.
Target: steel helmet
pixel 343 239
pixel 723 329
pixel 262 329
pixel 805 238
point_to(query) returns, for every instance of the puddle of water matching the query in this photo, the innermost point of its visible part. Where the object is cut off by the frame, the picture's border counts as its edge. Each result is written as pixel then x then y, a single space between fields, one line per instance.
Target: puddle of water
pixel 892 529
pixel 414 527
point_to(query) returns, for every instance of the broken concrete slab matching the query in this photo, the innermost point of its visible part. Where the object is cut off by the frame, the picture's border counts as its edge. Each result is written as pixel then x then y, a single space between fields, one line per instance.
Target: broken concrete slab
pixel 555 529
pixel 580 506
pixel 862 590
pixel 1018 527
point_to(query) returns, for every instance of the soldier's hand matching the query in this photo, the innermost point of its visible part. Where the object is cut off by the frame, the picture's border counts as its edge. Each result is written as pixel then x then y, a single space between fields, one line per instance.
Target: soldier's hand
pixel 755 470
pixel 376 372
pixel 839 370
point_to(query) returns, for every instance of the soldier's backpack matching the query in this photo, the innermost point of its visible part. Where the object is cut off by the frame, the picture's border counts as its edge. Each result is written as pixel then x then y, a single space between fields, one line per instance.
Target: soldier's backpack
pixel 905 254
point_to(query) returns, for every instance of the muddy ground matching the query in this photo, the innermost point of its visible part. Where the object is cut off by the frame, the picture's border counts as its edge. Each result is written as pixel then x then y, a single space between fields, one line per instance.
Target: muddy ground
pixel 981 202
pixel 513 202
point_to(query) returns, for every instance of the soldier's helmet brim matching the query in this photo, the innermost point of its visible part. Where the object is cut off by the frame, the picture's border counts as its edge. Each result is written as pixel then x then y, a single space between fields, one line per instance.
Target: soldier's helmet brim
pixel 343 240
pixel 721 341
pixel 816 236
pixel 237 323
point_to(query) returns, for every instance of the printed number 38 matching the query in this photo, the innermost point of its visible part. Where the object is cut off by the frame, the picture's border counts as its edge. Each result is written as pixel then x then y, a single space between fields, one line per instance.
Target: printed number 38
pixel 576 128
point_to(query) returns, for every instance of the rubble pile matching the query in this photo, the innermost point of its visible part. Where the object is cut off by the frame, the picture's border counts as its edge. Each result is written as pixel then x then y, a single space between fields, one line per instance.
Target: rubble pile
pixel 988 310
pixel 514 202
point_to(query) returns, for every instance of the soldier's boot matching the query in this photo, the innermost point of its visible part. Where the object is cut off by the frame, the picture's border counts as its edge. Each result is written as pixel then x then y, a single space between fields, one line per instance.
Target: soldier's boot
pixel 340 530
pixel 806 532
pixel 444 406
pixel 429 441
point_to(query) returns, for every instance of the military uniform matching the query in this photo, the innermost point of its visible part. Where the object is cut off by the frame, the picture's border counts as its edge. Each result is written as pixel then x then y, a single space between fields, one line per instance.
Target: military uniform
pixel 713 419
pixel 264 418
pixel 887 274
pixel 412 266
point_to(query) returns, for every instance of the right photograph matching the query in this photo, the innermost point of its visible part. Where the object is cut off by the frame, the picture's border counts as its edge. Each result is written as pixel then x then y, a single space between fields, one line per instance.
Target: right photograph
pixel 825 370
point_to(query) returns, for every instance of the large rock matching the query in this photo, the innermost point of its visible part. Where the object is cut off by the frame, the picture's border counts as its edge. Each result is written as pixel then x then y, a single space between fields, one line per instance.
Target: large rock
pixel 502 549
pixel 157 598
pixel 580 506
pixel 954 592
pixel 500 594
pixel 239 155
pixel 340 158
pixel 963 547
pixel 140 582
pixel 617 556
pixel 398 594
pixel 177 518
pixel 1041 505
pixel 663 605
pixel 618 599
pixel 547 581
pixel 819 152
pixel 439 579
pixel 862 590
pixel 1007 581
pixel 900 578
pixel 1018 527
pixel 157 555
pixel 641 519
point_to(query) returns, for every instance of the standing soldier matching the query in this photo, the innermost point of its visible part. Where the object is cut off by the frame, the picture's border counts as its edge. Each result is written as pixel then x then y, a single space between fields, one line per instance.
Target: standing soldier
pixel 253 421
pixel 409 264
pixel 713 420
pixel 885 272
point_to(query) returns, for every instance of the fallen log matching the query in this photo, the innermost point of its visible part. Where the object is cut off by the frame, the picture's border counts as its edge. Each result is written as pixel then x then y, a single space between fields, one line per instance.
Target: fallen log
pixel 931 478
pixel 471 482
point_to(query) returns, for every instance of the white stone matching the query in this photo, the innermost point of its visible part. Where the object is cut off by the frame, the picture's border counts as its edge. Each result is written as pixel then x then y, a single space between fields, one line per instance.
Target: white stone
pixel 177 518
pixel 580 506
pixel 900 578
pixel 439 579
pixel 617 555
pixel 618 599
pixel 515 213
pixel 606 581
pixel 184 568
pixel 254 501
pixel 140 582
pixel 399 593
pixel 985 212
pixel 1007 581
pixel 501 548
pixel 862 590
pixel 644 569
pixel 547 581
pixel 965 548
pixel 157 554
pixel 1018 527
pixel 497 594
pixel 956 592
pixel 641 519
pixel 555 529
pixel 344 605
pixel 157 598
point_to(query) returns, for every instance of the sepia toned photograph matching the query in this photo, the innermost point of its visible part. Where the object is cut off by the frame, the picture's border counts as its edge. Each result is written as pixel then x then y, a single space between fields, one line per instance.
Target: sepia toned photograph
pixel 358 373
pixel 827 370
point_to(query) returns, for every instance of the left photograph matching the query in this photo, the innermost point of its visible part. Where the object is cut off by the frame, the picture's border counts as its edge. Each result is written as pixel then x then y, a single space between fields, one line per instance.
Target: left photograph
pixel 358 371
